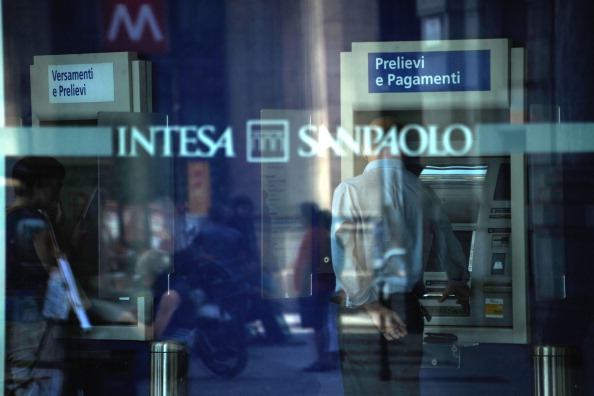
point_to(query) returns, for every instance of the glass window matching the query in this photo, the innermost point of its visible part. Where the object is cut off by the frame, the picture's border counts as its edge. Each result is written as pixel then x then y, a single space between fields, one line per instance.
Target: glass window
pixel 245 186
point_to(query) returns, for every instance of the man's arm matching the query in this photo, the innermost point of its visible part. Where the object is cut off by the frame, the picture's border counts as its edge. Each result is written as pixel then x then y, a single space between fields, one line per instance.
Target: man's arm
pixel 462 294
pixel 170 302
pixel 387 321
pixel 44 250
pixel 455 266
pixel 450 254
pixel 353 276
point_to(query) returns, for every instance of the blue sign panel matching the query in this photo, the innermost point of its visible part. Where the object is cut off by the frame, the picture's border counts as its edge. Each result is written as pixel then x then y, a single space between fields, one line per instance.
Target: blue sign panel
pixel 432 71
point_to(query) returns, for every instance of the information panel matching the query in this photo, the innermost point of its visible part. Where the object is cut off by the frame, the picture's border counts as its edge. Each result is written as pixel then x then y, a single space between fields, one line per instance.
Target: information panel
pixel 82 83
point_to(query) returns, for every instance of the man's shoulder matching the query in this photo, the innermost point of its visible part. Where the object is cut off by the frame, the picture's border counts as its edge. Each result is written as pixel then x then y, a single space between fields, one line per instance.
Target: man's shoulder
pixel 428 192
pixel 353 182
pixel 23 217
pixel 222 230
pixel 21 212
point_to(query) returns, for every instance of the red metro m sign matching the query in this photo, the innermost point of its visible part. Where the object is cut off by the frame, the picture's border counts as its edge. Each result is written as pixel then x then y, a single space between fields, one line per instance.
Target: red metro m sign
pixel 135 25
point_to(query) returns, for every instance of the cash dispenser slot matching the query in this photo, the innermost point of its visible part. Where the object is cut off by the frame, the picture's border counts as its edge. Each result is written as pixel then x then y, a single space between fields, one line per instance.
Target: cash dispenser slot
pixel 497 288
pixel 448 308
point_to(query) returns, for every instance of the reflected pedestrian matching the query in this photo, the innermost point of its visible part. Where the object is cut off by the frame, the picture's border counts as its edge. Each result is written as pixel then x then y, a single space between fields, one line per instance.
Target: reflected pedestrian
pixel 315 282
pixel 258 277
pixel 30 261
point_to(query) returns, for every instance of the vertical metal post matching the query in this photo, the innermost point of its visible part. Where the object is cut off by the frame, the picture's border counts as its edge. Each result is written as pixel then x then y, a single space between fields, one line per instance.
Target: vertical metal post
pixel 555 370
pixel 168 369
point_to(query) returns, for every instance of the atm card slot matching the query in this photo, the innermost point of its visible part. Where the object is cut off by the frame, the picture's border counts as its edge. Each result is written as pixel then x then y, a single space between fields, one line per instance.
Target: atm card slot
pixel 497 289
pixel 500 230
pixel 500 216
pixel 436 292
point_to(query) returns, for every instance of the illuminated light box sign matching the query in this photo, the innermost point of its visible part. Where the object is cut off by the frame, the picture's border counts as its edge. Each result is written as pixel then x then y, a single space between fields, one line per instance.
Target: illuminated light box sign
pixel 84 83
pixel 429 71
pixel 157 141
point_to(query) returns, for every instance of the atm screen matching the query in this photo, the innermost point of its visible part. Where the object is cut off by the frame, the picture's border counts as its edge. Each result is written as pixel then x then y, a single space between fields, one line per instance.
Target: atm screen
pixel 465 239
pixel 459 188
pixel 503 186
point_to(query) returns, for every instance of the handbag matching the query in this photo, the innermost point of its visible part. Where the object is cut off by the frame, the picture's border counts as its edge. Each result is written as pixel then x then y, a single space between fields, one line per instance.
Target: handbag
pixel 56 305
pixel 62 282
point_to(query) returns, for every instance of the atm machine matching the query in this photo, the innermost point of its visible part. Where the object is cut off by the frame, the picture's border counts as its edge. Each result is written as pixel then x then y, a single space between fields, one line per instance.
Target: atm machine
pixel 445 90
pixel 113 199
pixel 104 90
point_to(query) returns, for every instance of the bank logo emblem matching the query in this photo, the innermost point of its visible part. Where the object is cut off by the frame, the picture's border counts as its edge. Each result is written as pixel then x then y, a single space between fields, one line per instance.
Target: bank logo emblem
pixel 267 141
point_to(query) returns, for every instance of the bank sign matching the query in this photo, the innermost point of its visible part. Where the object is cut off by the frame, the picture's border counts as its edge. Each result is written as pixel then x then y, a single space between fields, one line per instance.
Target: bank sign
pixel 268 141
pixel 429 71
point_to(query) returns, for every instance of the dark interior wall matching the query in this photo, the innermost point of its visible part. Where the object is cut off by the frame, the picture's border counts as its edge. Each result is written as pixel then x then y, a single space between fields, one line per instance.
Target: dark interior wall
pixel 399 21
pixel 20 45
pixel 554 33
pixel 574 62
pixel 574 59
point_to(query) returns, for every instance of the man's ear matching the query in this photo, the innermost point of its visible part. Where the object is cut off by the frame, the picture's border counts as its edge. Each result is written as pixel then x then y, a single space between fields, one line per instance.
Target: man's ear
pixel 39 185
pixel 33 191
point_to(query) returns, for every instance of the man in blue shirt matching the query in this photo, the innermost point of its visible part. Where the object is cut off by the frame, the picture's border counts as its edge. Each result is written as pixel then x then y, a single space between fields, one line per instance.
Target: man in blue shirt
pixel 386 223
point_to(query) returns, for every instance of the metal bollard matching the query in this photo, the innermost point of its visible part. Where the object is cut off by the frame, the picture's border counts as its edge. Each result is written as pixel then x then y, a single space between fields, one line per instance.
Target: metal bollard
pixel 555 370
pixel 168 369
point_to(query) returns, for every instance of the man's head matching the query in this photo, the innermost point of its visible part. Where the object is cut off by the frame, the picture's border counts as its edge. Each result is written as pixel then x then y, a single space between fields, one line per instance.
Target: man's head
pixel 310 214
pixel 219 214
pixel 386 143
pixel 243 207
pixel 38 179
pixel 379 145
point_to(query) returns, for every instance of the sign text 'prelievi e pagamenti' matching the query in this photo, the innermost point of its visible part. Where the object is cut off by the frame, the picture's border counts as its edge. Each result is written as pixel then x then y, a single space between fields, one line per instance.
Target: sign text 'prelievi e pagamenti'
pixel 429 71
